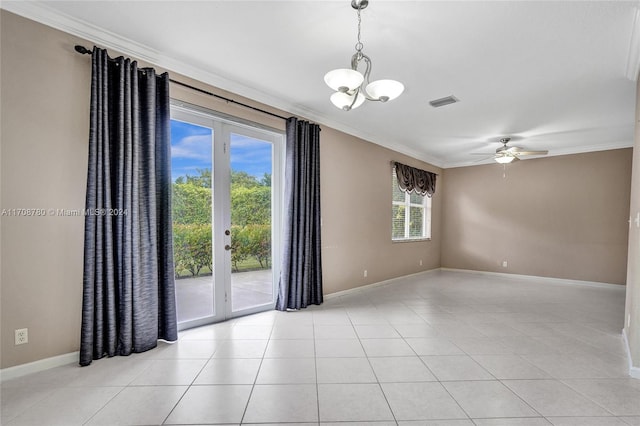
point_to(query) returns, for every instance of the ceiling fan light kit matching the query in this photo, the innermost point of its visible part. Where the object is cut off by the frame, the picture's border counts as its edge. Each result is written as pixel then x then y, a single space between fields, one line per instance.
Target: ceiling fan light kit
pixel 504 159
pixel 506 154
pixel 352 87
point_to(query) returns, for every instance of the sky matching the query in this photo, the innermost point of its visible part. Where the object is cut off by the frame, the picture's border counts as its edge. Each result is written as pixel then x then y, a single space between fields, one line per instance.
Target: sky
pixel 191 149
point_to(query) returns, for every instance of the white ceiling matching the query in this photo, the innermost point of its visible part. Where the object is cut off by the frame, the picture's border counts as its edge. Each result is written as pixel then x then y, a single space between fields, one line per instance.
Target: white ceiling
pixel 556 75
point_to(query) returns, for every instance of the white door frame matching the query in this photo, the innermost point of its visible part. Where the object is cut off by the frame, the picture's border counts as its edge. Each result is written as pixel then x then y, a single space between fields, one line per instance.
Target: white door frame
pixel 223 126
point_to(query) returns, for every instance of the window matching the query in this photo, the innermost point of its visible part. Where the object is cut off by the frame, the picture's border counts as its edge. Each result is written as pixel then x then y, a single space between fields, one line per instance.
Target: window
pixel 416 225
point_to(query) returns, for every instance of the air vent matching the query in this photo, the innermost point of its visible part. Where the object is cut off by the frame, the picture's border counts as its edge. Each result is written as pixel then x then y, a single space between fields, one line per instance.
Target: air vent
pixel 437 103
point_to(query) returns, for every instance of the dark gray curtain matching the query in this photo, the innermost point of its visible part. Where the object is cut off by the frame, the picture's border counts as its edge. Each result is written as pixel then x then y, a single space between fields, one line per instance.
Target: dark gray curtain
pixel 301 276
pixel 129 289
pixel 415 180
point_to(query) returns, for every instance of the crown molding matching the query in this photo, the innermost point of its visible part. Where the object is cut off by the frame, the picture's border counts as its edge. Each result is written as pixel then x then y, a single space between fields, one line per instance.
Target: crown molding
pixel 554 153
pixel 39 11
pixel 633 57
pixel 368 137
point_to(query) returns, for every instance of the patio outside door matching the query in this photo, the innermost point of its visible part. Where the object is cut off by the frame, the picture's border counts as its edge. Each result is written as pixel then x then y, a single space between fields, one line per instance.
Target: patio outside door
pixel 226 216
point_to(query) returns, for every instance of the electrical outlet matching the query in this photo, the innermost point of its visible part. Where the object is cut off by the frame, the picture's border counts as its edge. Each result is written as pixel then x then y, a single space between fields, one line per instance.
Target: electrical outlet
pixel 365 273
pixel 22 336
pixel 504 263
pixel 420 262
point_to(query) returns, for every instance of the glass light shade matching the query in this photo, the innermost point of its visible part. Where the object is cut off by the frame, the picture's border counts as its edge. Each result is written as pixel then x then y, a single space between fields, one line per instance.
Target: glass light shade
pixel 505 159
pixel 344 100
pixel 343 79
pixel 385 90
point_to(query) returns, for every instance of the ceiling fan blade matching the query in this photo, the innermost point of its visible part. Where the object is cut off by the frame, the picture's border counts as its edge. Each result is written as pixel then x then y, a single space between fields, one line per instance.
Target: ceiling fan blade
pixel 532 152
pixel 510 155
pixel 487 154
pixel 488 157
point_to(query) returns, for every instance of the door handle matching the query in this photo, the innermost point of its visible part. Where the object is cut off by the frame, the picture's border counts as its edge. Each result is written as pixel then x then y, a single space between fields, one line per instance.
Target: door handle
pixel 227 247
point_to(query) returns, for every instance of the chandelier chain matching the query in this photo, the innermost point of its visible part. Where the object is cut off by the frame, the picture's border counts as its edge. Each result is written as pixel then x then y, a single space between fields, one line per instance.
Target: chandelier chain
pixel 359 44
pixel 352 86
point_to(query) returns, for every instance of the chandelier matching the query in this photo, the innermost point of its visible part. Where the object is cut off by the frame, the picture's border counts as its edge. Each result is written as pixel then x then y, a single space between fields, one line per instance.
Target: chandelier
pixel 353 88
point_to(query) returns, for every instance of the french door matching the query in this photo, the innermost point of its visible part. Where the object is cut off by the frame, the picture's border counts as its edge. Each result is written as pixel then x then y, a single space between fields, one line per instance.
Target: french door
pixel 226 215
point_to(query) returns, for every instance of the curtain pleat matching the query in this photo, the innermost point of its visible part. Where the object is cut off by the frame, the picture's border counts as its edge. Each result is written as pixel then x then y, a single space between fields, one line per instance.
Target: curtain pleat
pixel 415 180
pixel 301 275
pixel 128 285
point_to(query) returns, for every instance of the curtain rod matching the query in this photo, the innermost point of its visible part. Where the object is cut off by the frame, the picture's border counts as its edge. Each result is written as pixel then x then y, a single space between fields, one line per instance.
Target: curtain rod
pixel 393 163
pixel 84 51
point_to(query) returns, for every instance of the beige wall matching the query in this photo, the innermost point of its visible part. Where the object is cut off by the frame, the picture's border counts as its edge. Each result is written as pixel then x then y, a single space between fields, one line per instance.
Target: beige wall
pixel 562 217
pixel 356 215
pixel 632 307
pixel 44 131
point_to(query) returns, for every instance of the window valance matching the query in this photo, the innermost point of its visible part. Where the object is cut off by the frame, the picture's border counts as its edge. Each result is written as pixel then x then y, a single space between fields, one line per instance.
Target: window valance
pixel 415 180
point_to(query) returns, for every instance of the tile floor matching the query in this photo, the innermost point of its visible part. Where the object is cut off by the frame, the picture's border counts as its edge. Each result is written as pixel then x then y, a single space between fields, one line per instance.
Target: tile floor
pixel 440 348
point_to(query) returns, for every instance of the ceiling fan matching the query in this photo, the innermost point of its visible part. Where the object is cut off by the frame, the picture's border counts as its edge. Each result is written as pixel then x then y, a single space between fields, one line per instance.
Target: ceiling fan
pixel 506 154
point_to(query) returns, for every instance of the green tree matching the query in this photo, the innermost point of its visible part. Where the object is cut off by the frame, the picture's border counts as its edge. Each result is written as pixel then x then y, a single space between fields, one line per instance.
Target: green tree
pixel 398 213
pixel 239 244
pixel 240 179
pixel 258 243
pixel 266 180
pixel 181 254
pixel 251 206
pixel 250 216
pixel 191 204
pixel 192 248
pixel 202 179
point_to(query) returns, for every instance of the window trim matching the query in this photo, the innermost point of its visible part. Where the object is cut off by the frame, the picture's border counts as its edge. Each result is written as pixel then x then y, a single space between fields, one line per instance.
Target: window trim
pixel 426 205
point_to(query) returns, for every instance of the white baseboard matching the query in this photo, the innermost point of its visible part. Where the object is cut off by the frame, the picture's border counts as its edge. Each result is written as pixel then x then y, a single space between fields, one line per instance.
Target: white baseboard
pixel 563 281
pixel 71 358
pixel 40 365
pixel 378 284
pixel 549 280
pixel 633 371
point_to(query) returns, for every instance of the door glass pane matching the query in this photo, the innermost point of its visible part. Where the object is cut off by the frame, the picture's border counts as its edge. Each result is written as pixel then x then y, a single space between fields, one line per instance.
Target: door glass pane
pixel 251 169
pixel 191 166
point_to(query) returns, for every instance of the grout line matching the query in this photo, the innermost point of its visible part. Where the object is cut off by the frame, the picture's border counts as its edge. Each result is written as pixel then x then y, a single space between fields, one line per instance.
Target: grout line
pixel 367 302
pixel 255 380
pixel 315 363
pixel 189 386
pixel 395 419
